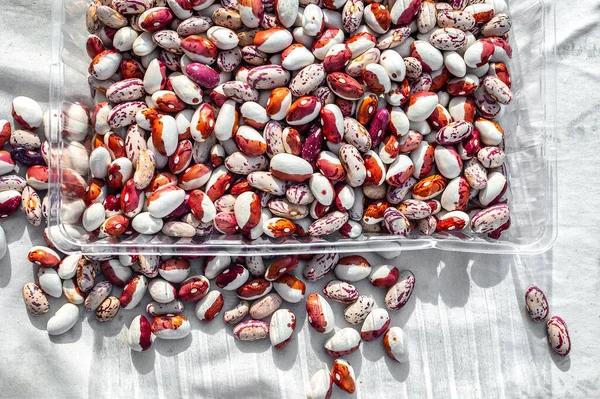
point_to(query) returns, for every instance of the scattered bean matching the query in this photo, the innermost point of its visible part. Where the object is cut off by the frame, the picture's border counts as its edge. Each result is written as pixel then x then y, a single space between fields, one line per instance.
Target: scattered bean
pixel 558 336
pixel 536 303
pixel 63 320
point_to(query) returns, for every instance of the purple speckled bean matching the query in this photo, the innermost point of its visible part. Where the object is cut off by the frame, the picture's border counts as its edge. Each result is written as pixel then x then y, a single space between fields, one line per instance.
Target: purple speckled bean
pixel 229 60
pixel 204 75
pixel 536 303
pixel 496 233
pixel 395 195
pixel 320 265
pixel 456 19
pixel 454 133
pixel 427 226
pixel 448 39
pixel 12 182
pixel 414 209
pixel 422 83
pixel 379 126
pixel 132 6
pixel 124 114
pixel 353 164
pixel 194 26
pixel 313 143
pixel 27 157
pixel 393 38
pixel 497 89
pixel 400 293
pixel 273 135
pixel 352 15
pixel 340 291
pixel 239 92
pixel 328 224
pixel 308 79
pixel 126 90
pixel 253 56
pixel 171 60
pixel 491 157
pixel 489 219
pixel 458 4
pixel 475 174
pixel 325 95
pixel 268 77
pixel 486 104
pixel 359 310
pixel 396 222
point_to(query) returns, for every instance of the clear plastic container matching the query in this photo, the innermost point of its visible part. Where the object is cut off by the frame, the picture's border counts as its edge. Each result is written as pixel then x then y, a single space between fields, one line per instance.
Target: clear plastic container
pixel 529 123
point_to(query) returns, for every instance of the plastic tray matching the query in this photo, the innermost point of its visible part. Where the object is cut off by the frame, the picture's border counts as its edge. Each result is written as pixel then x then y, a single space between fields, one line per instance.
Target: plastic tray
pixel 529 123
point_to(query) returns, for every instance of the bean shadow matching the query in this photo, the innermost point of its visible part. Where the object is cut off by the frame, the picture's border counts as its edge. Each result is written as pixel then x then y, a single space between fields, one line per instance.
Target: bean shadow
pixel 450 274
pixel 427 287
pixel 196 266
pixel 489 270
pixel 260 346
pixel 445 276
pixel 561 363
pixel 105 329
pixel 400 317
pixel 285 358
pixel 41 321
pixel 299 310
pixel 5 269
pixel 205 327
pixel 35 233
pixel 144 361
pixel 537 329
pixel 172 347
pixel 14 229
pixel 373 350
pixel 398 370
pixel 356 359
pixel 317 342
pixel 455 284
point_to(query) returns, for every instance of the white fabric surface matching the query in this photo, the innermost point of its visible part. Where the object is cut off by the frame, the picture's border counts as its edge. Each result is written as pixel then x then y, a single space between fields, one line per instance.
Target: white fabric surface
pixel 468 333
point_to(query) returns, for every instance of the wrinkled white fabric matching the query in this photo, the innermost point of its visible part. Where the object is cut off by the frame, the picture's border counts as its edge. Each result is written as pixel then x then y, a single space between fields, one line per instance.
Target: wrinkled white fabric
pixel 468 332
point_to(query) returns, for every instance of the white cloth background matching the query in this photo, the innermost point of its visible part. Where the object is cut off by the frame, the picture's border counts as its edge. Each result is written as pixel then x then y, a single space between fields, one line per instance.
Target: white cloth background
pixel 468 333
